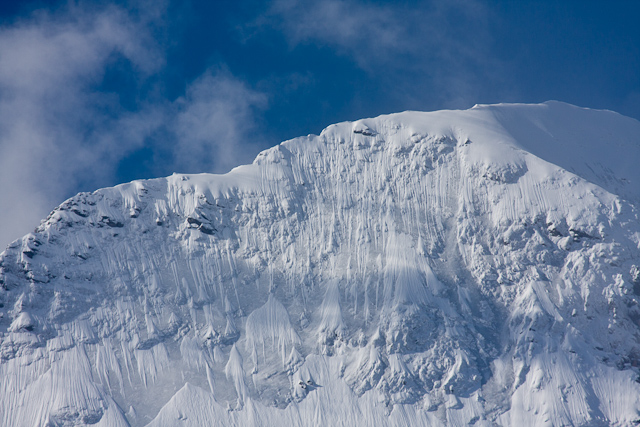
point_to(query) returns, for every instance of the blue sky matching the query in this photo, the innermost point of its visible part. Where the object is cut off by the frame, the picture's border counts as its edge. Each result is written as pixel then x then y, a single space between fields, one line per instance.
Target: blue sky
pixel 93 94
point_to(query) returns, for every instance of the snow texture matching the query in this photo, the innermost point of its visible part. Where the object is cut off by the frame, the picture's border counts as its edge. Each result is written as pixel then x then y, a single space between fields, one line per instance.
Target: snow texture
pixel 477 267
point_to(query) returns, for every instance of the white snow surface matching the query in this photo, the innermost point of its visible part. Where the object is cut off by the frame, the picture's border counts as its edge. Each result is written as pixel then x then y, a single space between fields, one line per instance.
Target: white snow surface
pixel 477 267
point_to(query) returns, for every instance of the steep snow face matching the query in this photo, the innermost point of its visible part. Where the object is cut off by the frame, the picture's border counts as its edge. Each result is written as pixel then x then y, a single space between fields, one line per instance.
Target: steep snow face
pixel 456 267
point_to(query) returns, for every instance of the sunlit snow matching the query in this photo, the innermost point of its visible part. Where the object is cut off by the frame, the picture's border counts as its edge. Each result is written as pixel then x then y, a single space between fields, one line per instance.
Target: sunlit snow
pixel 447 268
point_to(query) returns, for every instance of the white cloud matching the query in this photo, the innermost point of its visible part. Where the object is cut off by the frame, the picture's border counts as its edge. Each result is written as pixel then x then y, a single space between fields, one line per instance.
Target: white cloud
pixel 60 130
pixel 50 110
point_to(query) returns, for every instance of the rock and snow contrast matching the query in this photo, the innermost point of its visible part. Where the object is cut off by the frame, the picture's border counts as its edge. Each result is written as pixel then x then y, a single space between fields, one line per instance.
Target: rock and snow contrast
pixel 477 267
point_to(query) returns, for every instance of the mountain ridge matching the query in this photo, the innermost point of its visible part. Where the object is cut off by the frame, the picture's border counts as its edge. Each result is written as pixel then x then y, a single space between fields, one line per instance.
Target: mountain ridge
pixel 422 267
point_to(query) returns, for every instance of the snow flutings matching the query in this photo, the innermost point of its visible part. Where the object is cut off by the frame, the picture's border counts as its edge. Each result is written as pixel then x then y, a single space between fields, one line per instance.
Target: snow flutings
pixel 475 267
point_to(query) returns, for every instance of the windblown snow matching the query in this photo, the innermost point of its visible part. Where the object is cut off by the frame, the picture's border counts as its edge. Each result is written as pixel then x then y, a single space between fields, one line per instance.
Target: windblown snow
pixel 477 267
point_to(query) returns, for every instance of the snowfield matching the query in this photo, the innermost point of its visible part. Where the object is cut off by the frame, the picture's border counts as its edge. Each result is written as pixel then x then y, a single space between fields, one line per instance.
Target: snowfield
pixel 477 267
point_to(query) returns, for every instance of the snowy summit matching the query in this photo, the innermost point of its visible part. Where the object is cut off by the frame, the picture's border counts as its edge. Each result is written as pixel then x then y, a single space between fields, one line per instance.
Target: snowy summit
pixel 477 267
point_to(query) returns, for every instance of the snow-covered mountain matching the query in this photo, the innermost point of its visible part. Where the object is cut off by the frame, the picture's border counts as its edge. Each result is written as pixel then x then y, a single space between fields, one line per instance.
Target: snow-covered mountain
pixel 446 268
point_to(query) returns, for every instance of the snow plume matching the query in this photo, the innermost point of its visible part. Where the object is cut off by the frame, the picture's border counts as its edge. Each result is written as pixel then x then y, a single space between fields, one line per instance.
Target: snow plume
pixel 62 128
pixel 442 41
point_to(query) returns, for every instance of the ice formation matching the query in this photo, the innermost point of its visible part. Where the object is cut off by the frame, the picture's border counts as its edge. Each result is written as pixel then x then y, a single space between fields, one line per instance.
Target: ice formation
pixel 477 267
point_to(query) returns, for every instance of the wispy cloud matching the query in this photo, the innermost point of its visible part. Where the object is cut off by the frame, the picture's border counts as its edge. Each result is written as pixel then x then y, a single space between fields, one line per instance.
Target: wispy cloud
pixel 51 114
pixel 350 26
pixel 62 129
pixel 213 122
pixel 442 44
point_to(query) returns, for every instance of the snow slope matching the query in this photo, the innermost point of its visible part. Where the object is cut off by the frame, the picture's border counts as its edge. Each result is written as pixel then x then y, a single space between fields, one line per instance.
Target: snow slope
pixel 446 268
